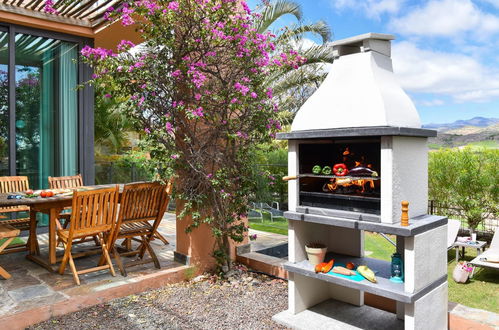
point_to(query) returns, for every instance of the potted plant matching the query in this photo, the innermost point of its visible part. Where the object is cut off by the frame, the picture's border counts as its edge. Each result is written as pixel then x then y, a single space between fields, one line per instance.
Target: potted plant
pixel 316 252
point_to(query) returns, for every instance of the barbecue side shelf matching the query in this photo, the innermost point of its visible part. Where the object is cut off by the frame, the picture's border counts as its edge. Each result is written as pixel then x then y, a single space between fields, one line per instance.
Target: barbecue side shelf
pixel 384 287
pixel 416 226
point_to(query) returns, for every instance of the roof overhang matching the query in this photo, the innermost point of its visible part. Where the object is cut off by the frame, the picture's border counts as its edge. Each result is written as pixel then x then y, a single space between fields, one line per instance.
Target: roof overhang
pixel 83 18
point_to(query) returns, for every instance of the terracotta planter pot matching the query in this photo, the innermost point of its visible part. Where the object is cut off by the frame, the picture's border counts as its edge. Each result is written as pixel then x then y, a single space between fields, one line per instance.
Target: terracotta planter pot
pixel 316 255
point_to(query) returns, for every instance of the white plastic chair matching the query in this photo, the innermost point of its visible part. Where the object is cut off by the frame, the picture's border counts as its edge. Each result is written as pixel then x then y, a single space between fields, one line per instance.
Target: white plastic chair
pixel 452 231
pixel 481 259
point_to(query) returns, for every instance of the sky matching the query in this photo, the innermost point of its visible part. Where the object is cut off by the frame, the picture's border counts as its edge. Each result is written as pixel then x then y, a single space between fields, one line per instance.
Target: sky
pixel 444 55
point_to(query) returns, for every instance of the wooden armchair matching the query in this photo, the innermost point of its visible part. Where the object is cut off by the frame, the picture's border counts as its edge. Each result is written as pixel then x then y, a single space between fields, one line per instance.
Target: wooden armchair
pixel 10 184
pixel 94 214
pixel 140 204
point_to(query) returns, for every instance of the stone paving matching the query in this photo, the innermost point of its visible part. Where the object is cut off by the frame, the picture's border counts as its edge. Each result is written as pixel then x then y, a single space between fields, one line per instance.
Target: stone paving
pixel 33 286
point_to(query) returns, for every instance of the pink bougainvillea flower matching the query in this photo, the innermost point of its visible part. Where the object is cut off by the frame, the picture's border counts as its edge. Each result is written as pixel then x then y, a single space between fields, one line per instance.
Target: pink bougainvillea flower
pixel 49 7
pixel 173 5
pixel 99 53
pixel 169 127
pixel 108 13
pixel 125 45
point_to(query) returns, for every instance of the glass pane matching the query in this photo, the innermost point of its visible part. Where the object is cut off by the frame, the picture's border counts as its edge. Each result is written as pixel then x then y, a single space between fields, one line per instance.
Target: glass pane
pixel 4 104
pixel 46 108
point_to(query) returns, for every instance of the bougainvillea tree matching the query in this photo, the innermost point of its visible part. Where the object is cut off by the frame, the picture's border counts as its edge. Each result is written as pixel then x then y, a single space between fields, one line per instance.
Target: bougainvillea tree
pixel 196 89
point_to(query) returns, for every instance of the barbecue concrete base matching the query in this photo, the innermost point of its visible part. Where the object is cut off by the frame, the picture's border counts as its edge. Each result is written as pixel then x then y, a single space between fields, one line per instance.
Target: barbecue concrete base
pixel 333 314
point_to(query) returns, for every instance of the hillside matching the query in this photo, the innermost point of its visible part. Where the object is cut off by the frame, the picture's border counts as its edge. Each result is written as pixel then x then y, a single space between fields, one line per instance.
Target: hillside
pixel 477 122
pixel 487 137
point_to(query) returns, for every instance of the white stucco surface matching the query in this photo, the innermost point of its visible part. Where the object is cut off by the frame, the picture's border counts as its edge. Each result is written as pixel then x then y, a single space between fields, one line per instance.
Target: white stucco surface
pixel 404 173
pixel 293 185
pixel 425 258
pixel 360 90
pixel 428 312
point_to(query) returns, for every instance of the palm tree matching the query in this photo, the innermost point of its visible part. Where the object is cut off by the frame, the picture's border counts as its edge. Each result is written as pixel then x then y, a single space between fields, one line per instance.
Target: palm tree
pixel 112 126
pixel 293 87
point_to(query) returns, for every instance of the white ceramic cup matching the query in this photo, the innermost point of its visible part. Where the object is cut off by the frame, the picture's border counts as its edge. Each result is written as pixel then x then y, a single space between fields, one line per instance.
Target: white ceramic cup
pixel 473 237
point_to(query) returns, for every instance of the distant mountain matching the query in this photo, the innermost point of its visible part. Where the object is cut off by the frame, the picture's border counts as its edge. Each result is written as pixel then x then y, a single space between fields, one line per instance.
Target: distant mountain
pixel 474 122
pixel 468 135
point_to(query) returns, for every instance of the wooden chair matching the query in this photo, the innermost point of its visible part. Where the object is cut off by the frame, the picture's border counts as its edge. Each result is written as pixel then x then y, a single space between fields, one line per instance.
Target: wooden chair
pixel 64 182
pixel 69 182
pixel 140 204
pixel 8 232
pixel 94 214
pixel 10 184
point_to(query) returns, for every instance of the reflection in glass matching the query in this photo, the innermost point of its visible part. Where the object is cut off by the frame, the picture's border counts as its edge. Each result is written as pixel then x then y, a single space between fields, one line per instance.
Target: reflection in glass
pixel 4 105
pixel 46 108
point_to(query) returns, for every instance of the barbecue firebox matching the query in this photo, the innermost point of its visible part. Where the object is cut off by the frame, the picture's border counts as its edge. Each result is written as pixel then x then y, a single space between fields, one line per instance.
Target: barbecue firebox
pixel 341 174
pixel 356 150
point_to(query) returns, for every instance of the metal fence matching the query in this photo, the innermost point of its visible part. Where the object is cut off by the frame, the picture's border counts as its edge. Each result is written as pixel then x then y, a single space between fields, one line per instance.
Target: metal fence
pixel 491 223
pixel 109 172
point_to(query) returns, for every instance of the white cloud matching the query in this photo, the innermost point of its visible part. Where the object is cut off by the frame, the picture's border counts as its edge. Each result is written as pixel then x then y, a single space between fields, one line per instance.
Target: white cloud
pixel 446 18
pixel 371 8
pixel 432 103
pixel 441 73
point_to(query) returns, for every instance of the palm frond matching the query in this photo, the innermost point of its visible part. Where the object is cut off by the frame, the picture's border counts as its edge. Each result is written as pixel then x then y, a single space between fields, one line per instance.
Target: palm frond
pixel 275 10
pixel 318 54
pixel 298 78
pixel 296 32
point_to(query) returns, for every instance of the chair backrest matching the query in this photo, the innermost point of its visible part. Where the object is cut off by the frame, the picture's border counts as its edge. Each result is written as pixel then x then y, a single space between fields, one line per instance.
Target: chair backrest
pixel 144 202
pixel 494 244
pixel 94 209
pixel 62 182
pixel 10 184
pixel 452 231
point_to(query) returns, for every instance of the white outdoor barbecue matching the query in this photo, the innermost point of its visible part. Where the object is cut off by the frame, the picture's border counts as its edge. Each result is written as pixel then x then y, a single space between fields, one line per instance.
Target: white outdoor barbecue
pixel 361 118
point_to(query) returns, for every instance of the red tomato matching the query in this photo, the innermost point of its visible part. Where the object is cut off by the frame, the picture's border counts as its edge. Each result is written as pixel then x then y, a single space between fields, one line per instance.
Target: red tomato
pixel 43 194
pixel 50 193
pixel 29 192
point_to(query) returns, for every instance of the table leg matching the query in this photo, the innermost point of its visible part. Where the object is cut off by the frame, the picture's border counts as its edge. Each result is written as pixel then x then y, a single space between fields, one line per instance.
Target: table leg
pixel 33 239
pixel 457 254
pixel 53 218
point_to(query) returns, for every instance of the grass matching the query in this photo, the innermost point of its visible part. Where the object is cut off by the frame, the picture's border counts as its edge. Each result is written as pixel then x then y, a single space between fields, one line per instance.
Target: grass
pixel 482 291
pixel 488 144
pixel 278 226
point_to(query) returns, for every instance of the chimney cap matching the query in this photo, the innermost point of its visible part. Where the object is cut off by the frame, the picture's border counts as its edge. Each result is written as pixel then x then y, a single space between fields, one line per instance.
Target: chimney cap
pixel 377 42
pixel 358 40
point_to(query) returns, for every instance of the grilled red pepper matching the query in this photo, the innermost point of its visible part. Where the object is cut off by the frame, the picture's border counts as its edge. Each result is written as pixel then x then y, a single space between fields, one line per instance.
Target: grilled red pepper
pixel 340 169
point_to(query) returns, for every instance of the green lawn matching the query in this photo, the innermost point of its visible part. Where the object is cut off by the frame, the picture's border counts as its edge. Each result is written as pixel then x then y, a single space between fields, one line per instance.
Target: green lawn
pixel 480 292
pixel 278 226
pixel 488 144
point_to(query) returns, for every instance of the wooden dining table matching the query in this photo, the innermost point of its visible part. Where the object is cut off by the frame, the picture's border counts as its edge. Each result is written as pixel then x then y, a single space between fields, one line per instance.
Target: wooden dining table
pixel 52 206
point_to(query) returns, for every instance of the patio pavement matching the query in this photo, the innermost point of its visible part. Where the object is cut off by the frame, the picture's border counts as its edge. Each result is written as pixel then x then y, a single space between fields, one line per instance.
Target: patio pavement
pixel 33 288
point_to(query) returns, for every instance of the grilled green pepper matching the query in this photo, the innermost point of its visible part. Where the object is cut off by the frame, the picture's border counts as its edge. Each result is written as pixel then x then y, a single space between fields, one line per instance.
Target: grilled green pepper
pixel 316 169
pixel 326 170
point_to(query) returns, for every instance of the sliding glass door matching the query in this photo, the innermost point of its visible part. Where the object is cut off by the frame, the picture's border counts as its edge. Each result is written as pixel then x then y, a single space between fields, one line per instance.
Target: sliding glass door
pixel 46 74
